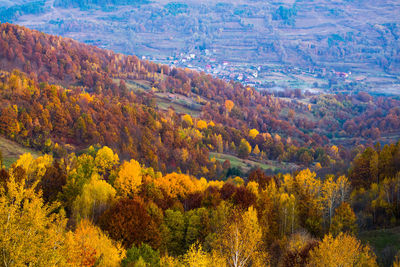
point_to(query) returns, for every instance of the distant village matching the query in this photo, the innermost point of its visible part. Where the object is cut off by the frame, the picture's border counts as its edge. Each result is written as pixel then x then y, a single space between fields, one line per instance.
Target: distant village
pixel 253 75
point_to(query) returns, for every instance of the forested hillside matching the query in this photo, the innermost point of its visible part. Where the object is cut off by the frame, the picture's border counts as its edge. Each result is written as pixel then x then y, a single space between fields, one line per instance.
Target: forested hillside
pixel 146 165
pixel 67 96
pixel 273 45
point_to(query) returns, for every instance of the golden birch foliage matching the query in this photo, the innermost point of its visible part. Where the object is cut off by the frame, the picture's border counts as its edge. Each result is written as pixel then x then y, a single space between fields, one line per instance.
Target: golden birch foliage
pixel 169 261
pixel 344 188
pixel 330 191
pixel 129 178
pixel 203 184
pixel 187 119
pixel 344 220
pixel 25 161
pixel 307 190
pixel 344 250
pixel 287 204
pixel 34 168
pixel 240 242
pixel 253 187
pixel 334 193
pixel 217 184
pixel 178 185
pixel 219 143
pixel 196 257
pixel 96 196
pixel 288 183
pixel 79 172
pixel 269 213
pixel 244 148
pixel 88 244
pixel 31 233
pixel 307 181
pixel 106 159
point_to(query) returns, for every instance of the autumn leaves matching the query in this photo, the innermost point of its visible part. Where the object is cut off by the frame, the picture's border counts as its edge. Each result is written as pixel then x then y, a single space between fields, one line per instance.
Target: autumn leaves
pixel 92 209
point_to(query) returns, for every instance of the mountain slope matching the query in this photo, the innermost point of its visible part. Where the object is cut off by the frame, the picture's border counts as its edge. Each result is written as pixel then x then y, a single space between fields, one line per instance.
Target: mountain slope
pixel 74 95
pixel 301 42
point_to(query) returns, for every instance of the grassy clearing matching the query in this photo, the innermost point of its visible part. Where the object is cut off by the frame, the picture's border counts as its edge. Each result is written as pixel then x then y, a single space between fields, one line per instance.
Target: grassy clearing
pixel 164 104
pixel 381 241
pixel 180 103
pixel 11 151
pixel 136 86
pixel 244 164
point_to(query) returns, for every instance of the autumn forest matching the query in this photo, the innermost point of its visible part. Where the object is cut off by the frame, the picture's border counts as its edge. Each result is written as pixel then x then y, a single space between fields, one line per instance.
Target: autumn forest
pixel 135 163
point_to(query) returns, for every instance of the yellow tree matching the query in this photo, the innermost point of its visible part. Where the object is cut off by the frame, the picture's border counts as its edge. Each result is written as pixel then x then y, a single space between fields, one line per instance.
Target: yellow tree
pixel 269 213
pixel 96 197
pixel 344 188
pixel 307 189
pixel 196 257
pixel 129 178
pixel 201 124
pixel 334 194
pixel 219 143
pixel 89 246
pixel 240 242
pixel 344 250
pixel 334 150
pixel 287 204
pixel 34 168
pixel 177 185
pixel 169 261
pixel 187 119
pixel 105 160
pixel 253 133
pixel 344 220
pixel 304 181
pixel 31 233
pixel 229 106
pixel 244 149
pixel 330 195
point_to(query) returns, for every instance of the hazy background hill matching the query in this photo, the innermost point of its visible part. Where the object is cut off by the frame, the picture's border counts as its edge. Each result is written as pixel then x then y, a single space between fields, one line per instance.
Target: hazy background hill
pixel 311 45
